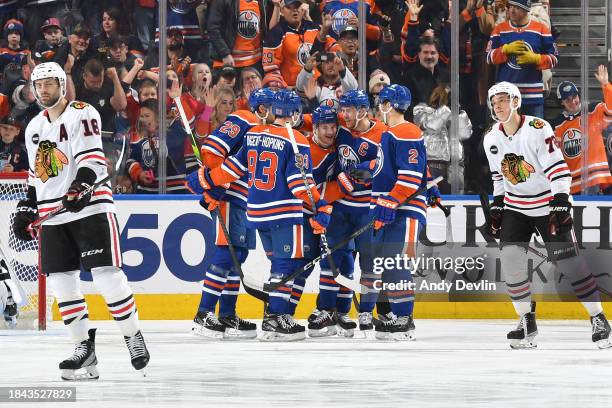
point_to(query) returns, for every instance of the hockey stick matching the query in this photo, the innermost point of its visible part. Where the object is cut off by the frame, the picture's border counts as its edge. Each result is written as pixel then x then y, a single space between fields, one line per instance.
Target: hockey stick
pixel 449 228
pixel 313 262
pixel 19 295
pixel 60 209
pixel 248 288
pixel 342 280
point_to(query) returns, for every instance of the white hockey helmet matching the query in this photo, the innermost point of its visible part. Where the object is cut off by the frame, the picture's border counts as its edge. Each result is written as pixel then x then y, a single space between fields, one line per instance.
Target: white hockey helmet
pixel 504 88
pixel 49 70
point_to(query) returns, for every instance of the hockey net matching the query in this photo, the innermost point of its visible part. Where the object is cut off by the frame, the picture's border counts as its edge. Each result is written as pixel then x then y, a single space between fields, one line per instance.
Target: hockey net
pixel 22 257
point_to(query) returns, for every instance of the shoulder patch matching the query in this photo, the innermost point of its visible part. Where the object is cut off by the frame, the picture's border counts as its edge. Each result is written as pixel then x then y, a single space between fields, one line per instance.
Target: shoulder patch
pixel 537 123
pixel 79 105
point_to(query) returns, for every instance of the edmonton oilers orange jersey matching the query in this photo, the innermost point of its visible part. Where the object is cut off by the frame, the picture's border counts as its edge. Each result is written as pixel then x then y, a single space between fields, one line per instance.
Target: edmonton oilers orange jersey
pixel 276 190
pixel 225 141
pixel 355 148
pixel 568 132
pixel 286 49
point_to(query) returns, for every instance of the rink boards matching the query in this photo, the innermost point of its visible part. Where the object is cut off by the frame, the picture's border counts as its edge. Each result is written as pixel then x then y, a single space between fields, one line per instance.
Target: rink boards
pixel 167 243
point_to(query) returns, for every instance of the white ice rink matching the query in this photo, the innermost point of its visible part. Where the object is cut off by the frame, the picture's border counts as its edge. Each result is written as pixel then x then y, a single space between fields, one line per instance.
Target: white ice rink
pixel 458 363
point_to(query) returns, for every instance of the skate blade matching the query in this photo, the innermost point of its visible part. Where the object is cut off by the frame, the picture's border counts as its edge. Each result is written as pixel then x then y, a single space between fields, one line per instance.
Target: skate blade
pixel 324 332
pixel 278 337
pixel 404 336
pixel 366 334
pixel 235 334
pixel 349 333
pixel 83 374
pixel 207 333
pixel 604 344
pixel 523 344
pixel 142 372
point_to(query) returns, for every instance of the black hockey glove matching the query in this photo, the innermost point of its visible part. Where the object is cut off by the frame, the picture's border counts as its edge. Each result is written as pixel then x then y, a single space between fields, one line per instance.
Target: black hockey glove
pixel 25 214
pixel 560 218
pixel 497 214
pixel 75 200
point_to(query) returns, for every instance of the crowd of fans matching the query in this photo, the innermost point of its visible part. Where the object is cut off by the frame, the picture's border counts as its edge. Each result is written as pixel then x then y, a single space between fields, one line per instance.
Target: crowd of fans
pixel 219 51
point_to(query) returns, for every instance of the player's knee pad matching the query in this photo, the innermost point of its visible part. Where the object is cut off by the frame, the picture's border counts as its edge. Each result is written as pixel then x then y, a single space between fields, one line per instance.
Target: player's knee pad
pixel 285 266
pixel 65 285
pixel 514 262
pixel 111 282
pixel 222 258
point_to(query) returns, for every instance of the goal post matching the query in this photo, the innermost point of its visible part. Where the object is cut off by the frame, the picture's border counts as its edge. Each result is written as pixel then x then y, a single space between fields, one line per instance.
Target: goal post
pixel 22 258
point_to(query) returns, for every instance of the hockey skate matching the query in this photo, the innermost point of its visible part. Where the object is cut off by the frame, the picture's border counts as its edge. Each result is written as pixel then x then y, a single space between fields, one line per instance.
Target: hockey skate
pixel 396 328
pixel 11 313
pixel 237 328
pixel 323 325
pixel 601 331
pixel 207 325
pixel 281 327
pixel 365 321
pixel 523 337
pixel 138 351
pixel 313 315
pixel 82 364
pixel 346 327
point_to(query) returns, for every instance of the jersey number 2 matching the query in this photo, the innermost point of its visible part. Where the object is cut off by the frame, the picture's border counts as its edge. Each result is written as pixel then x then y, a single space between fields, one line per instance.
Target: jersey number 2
pixel 268 169
pixel 94 127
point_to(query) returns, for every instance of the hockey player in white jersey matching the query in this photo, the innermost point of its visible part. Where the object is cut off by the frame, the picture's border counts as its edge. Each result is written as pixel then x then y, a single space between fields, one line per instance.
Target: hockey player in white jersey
pixel 66 158
pixel 531 194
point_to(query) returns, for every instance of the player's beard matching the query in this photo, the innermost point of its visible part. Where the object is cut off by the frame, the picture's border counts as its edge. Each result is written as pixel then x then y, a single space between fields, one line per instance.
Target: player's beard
pixel 52 102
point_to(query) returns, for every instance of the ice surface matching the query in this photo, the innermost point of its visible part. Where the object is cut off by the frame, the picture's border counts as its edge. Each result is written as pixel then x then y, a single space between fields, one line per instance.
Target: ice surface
pixel 458 363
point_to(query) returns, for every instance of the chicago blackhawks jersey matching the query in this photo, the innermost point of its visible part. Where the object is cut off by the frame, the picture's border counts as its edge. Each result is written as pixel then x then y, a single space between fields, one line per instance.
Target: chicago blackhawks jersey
pixel 527 168
pixel 56 150
pixel 355 148
pixel 225 141
pixel 568 131
pixel 401 169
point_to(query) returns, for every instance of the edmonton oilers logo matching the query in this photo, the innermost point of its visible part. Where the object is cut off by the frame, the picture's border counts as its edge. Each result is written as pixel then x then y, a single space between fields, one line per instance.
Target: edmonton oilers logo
pixel 572 140
pixel 248 24
pixel 340 19
pixel 512 59
pixel 303 53
pixel 348 157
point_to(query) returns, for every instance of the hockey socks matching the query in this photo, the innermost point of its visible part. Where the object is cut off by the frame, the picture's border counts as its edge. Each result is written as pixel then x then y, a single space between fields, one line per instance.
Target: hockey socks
pixel 583 283
pixel 72 307
pixel 113 285
pixel 212 287
pixel 229 295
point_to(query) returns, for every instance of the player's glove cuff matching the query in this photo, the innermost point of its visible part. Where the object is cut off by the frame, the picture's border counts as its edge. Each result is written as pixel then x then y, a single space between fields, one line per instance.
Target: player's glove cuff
pixel 199 181
pixel 345 183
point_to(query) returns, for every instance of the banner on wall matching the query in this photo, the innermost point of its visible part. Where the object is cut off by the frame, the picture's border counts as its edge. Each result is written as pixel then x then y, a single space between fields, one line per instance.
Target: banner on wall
pixel 167 242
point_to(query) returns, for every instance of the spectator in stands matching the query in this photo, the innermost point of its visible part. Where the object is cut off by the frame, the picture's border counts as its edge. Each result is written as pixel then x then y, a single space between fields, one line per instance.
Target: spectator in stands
pixel 127 65
pixel 250 80
pixel 434 119
pixel 13 155
pixel 224 104
pixel 12 47
pixel 144 20
pixel 236 30
pixel 335 79
pixel 227 75
pixel 142 163
pixel 288 45
pixel 102 89
pixel 274 81
pixel 79 44
pixel 114 25
pixel 378 59
pixel 378 80
pixel 182 17
pixel 344 13
pixel 522 48
pixel 37 11
pixel 426 74
pixel 568 132
pixel 8 10
pixel 54 47
pixel 177 56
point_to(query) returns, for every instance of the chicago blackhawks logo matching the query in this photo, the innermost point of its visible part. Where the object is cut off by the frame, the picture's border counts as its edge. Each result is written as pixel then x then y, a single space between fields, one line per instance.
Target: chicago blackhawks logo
pixel 537 123
pixel 78 105
pixel 572 143
pixel 248 24
pixel 49 160
pixel 516 169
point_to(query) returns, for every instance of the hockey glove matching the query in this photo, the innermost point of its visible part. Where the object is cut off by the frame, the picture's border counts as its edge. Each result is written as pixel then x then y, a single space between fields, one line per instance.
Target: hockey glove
pixel 199 181
pixel 560 218
pixel 345 183
pixel 497 214
pixel 74 200
pixel 26 213
pixel 517 47
pixel 320 220
pixel 361 174
pixel 433 196
pixel 211 199
pixel 384 212
pixel 529 57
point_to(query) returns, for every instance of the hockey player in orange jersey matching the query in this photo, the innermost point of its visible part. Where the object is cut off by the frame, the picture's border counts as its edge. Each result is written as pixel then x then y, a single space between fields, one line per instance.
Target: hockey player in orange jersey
pixel 568 132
